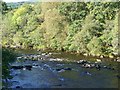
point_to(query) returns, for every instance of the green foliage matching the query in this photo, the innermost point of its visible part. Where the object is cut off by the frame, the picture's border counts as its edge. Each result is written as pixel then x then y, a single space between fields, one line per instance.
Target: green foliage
pixel 54 28
pixel 84 27
pixel 3 7
pixel 95 46
pixel 7 56
pixel 74 10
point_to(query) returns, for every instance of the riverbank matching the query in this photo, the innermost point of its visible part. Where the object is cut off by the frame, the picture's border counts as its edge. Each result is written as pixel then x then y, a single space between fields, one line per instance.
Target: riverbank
pixel 115 57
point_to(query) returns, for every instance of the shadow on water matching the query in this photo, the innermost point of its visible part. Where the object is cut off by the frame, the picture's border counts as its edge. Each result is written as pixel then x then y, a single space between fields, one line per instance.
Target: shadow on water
pixel 59 70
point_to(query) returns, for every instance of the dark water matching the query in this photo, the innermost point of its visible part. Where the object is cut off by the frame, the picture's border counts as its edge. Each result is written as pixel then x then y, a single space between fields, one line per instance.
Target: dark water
pixel 60 70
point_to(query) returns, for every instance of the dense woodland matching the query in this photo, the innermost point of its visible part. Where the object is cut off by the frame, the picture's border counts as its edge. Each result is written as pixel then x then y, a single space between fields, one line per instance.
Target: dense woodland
pixel 82 27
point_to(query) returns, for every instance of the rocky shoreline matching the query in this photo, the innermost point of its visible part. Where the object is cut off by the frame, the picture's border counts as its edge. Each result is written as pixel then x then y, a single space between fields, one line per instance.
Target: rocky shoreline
pixel 46 57
pixel 115 56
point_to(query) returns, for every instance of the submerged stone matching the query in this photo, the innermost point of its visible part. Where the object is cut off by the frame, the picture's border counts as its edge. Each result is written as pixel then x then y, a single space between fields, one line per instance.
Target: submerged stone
pixel 86 73
pixel 28 67
pixel 16 67
pixel 68 69
pixel 58 69
pixel 18 87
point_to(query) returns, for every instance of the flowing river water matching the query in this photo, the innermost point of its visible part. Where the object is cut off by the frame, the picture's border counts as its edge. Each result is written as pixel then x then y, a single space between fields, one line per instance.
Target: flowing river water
pixel 35 69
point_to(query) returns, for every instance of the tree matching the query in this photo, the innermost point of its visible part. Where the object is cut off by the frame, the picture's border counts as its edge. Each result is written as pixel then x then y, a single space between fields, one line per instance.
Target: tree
pixel 54 28
pixel 4 7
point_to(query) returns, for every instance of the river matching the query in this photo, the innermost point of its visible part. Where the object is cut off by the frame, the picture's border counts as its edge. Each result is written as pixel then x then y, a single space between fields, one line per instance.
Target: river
pixel 35 69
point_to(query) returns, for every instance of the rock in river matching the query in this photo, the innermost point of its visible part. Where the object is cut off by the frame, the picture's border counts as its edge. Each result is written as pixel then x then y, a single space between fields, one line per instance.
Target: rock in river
pixel 28 67
pixel 16 67
pixel 98 67
pixel 18 87
pixel 58 69
pixel 86 65
pixel 81 61
pixel 86 73
pixel 68 69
